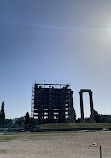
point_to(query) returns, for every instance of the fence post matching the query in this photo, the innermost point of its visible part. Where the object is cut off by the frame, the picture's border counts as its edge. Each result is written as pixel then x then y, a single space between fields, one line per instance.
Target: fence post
pixel 100 151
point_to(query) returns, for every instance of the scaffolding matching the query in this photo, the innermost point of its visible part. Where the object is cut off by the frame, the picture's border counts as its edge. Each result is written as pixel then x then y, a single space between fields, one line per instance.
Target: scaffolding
pixel 52 103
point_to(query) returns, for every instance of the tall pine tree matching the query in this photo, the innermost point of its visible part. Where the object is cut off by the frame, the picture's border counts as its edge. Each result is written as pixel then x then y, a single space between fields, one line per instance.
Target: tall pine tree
pixel 27 121
pixel 2 115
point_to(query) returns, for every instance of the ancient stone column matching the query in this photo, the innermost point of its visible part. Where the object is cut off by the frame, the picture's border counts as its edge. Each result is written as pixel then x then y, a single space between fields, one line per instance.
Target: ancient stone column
pixel 81 106
pixel 91 108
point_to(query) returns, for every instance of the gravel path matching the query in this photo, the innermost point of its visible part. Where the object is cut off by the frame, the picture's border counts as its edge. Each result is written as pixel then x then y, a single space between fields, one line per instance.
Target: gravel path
pixel 58 145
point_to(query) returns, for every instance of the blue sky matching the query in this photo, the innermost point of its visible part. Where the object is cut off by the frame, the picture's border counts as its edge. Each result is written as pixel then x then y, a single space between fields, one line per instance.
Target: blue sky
pixel 55 40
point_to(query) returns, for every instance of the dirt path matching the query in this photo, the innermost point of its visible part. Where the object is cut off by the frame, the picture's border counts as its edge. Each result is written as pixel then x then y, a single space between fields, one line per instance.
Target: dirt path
pixel 57 145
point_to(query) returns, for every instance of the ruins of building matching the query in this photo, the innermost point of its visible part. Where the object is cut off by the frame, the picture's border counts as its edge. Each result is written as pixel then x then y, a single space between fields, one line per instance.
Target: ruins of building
pixel 92 117
pixel 52 103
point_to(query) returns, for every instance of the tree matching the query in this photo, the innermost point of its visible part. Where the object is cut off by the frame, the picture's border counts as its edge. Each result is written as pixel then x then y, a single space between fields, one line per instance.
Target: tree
pixel 27 118
pixel 2 115
pixel 19 122
pixel 97 116
pixel 27 121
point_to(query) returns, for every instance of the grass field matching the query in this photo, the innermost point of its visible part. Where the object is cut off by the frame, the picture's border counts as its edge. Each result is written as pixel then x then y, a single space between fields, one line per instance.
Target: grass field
pixel 74 125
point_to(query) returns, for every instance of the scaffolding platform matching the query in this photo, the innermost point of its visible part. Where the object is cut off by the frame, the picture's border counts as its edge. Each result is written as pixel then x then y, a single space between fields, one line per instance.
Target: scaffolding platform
pixel 52 103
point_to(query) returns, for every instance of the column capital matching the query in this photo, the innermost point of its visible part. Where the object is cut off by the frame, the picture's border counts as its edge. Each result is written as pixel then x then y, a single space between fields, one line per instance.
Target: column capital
pixel 80 93
pixel 90 93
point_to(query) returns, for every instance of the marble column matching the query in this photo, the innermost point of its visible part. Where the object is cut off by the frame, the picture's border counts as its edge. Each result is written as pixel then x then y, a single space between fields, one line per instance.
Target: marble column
pixel 81 106
pixel 91 108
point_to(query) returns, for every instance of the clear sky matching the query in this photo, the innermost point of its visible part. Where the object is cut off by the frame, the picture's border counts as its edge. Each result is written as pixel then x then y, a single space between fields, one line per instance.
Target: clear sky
pixel 55 40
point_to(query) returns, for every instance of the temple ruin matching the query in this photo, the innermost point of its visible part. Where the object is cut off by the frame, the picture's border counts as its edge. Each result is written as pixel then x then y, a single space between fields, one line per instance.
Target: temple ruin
pixel 92 118
pixel 52 103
